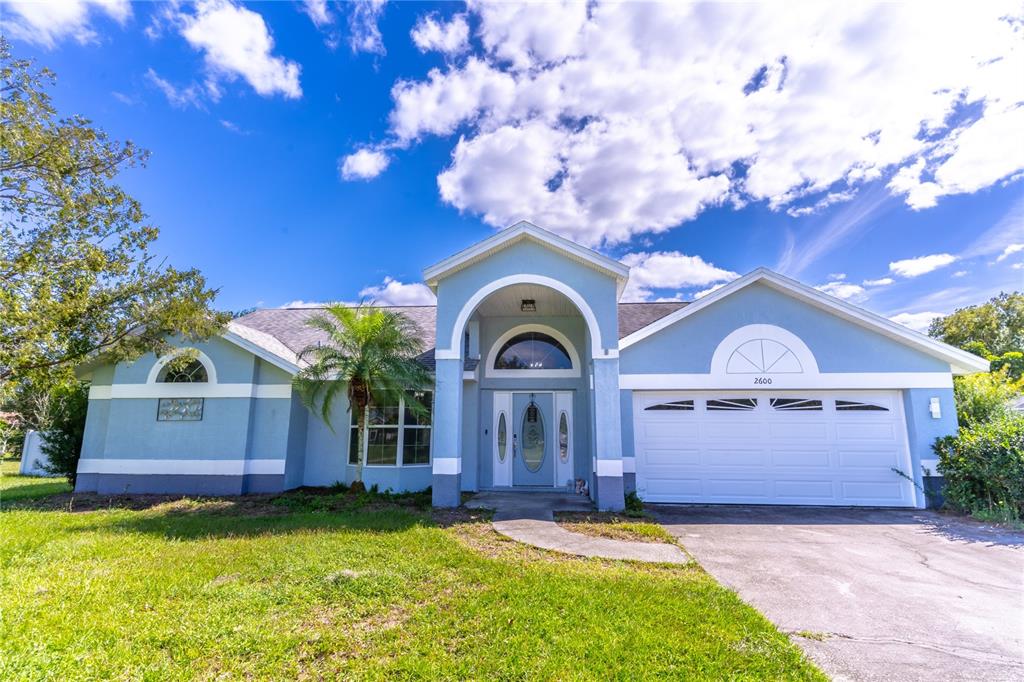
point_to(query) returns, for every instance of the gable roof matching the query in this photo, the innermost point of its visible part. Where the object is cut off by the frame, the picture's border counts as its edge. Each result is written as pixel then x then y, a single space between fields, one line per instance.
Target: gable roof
pixel 960 361
pixel 524 230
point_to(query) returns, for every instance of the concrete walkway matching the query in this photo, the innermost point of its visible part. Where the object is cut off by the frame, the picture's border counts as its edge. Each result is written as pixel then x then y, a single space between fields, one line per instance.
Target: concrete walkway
pixel 528 517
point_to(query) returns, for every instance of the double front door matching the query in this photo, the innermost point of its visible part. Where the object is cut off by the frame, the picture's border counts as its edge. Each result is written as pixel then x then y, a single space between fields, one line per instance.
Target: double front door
pixel 532 443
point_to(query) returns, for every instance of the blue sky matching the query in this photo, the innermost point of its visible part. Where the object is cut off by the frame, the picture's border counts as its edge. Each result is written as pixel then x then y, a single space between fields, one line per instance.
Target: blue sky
pixel 320 151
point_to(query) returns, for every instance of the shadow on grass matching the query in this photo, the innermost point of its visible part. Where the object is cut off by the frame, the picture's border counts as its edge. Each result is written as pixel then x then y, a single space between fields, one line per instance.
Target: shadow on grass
pixel 241 516
pixel 32 491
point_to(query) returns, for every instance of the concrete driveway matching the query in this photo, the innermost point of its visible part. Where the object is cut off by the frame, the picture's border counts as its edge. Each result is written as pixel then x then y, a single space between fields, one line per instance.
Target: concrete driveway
pixel 896 595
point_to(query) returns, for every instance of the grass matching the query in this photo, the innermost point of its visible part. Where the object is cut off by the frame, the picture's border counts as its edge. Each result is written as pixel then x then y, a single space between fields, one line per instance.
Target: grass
pixel 14 486
pixel 330 585
pixel 615 526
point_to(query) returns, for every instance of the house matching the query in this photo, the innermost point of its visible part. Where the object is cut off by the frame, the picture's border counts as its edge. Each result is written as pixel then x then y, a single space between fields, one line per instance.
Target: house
pixel 764 391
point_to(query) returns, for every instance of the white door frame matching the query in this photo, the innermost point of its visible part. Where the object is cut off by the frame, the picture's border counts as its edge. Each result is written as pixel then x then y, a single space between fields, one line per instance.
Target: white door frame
pixel 501 472
pixel 561 401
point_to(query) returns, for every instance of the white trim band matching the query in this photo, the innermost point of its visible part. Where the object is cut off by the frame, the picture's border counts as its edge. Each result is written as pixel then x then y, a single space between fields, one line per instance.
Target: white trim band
pixel 182 467
pixel 185 390
pixel 833 380
pixel 447 466
pixel 629 465
pixel 609 467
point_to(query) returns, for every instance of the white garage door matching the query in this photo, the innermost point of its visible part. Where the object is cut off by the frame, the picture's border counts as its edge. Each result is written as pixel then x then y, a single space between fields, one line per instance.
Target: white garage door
pixel 784 447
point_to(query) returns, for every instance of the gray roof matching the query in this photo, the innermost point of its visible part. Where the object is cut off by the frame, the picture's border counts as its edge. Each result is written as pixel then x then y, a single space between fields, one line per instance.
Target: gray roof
pixel 287 326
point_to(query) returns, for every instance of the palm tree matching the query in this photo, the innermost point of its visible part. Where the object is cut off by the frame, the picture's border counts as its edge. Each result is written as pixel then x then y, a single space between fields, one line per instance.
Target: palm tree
pixel 370 353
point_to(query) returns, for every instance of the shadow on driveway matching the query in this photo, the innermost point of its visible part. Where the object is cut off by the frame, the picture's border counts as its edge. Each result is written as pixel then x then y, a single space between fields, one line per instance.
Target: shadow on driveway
pixel 871 593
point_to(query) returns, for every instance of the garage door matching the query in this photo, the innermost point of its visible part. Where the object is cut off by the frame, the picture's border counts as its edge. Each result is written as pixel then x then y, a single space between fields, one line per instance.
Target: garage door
pixel 834 448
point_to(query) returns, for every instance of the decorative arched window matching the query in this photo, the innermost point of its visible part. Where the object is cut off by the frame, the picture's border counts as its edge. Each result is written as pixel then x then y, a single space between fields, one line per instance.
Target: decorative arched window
pixel 193 372
pixel 533 350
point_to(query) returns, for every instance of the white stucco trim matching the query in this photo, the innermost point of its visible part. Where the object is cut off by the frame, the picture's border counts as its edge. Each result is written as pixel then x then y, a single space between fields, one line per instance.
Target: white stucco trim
pixel 525 230
pixel 447 466
pixel 609 467
pixel 205 390
pixel 962 362
pixel 454 350
pixel 751 332
pixel 161 362
pixel 196 467
pixel 830 380
pixel 492 355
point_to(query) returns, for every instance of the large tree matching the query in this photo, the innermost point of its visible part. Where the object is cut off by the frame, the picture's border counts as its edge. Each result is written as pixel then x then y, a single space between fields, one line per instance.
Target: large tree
pixel 991 329
pixel 370 356
pixel 77 278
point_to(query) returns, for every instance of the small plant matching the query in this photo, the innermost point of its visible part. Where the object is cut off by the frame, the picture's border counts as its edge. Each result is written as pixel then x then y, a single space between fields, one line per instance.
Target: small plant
pixel 634 506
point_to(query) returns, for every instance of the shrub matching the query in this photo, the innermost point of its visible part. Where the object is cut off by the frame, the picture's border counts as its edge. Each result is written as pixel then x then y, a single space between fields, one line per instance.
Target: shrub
pixel 64 428
pixel 982 397
pixel 634 506
pixel 984 468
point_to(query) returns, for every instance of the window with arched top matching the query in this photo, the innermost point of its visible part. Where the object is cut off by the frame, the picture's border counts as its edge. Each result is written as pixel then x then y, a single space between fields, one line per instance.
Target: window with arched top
pixel 192 372
pixel 532 350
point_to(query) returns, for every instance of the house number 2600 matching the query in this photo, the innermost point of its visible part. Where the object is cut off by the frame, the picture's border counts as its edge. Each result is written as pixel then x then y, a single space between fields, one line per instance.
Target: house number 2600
pixel 762 380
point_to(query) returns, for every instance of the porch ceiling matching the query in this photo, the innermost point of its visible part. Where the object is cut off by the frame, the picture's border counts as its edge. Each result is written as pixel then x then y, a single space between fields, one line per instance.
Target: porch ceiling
pixel 506 302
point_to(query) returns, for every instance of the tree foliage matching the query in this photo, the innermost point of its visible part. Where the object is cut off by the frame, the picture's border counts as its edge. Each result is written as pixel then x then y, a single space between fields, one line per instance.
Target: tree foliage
pixel 982 397
pixel 370 354
pixel 990 329
pixel 78 279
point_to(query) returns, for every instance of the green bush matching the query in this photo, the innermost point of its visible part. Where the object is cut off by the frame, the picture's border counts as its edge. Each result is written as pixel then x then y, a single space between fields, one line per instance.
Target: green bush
pixel 983 397
pixel 984 468
pixel 1012 363
pixel 65 428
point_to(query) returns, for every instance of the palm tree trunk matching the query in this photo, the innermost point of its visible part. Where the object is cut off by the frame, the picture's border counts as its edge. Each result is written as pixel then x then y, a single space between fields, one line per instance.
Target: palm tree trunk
pixel 364 414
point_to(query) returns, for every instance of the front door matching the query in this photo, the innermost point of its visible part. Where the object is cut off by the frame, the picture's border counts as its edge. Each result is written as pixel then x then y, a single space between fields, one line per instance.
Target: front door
pixel 533 439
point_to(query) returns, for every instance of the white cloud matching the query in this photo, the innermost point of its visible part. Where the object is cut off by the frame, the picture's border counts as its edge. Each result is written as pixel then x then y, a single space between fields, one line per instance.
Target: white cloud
pixel 233 127
pixel 305 304
pixel 363 164
pixel 47 23
pixel 844 290
pixel 837 275
pixel 393 292
pixel 668 270
pixel 914 267
pixel 1009 251
pixel 177 97
pixel 701 294
pixel 919 322
pixel 881 282
pixel 449 37
pixel 960 273
pixel 236 42
pixel 645 114
pixel 317 12
pixel 364 34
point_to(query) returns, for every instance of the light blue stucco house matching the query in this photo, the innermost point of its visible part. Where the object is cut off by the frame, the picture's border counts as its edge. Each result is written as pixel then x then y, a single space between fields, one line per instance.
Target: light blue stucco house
pixel 765 391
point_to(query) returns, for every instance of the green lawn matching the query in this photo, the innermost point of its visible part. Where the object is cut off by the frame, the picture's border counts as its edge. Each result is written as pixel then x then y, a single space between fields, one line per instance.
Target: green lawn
pixel 299 588
pixel 15 487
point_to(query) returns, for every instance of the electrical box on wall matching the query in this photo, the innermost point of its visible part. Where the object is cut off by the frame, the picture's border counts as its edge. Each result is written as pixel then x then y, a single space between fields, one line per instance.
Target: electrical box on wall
pixel 934 408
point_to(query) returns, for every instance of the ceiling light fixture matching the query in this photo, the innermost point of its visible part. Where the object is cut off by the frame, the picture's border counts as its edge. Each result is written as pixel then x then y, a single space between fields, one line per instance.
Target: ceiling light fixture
pixel 528 305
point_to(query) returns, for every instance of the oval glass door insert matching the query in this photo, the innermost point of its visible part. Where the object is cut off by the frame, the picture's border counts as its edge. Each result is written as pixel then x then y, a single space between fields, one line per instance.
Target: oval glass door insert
pixel 563 438
pixel 533 439
pixel 502 438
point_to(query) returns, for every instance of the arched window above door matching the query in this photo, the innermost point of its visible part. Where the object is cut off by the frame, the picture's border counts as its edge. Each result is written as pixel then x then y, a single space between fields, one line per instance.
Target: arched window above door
pixel 532 350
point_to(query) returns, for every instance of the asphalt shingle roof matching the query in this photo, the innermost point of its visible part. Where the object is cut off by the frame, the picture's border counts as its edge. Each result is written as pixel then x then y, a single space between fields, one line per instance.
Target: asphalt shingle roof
pixel 288 325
